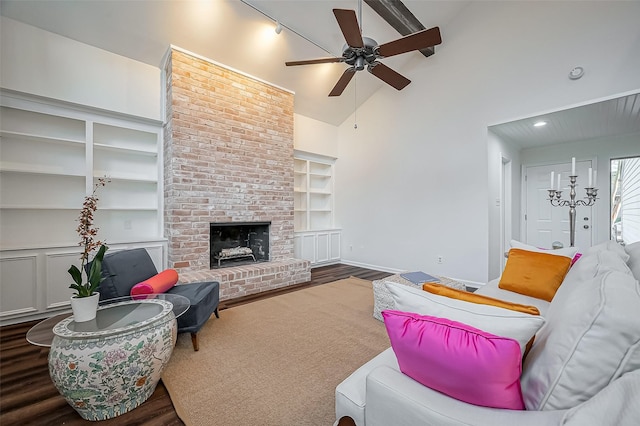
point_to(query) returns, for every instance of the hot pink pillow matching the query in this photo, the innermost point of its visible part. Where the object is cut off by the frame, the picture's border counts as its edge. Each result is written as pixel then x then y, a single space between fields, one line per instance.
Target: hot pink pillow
pixel 458 360
pixel 159 283
pixel 575 258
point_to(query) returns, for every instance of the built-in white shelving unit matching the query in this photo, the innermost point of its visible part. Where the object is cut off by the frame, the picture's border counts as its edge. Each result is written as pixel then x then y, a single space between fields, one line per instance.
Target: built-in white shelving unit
pixel 51 154
pixel 313 191
pixel 316 238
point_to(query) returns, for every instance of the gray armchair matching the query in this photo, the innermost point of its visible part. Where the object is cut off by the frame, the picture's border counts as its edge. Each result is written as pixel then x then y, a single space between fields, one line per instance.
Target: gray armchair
pixel 124 269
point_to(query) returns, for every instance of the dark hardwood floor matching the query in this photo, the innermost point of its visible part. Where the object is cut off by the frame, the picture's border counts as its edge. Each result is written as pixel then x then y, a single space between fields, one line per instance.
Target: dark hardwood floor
pixel 28 397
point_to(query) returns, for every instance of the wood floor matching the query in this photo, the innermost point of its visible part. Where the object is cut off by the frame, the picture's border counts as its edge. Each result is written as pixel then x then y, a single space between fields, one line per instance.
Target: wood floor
pixel 28 397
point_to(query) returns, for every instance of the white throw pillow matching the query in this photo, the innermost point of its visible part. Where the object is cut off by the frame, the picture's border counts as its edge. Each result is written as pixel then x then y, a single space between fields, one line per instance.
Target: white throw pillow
pixel 589 340
pixel 569 252
pixel 492 319
pixel 609 246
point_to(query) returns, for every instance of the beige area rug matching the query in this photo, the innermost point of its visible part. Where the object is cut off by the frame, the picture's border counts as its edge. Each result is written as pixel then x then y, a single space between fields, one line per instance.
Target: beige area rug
pixel 276 361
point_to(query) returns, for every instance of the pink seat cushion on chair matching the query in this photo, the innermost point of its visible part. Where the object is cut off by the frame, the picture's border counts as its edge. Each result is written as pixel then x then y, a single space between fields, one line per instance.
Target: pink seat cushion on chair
pixel 159 283
pixel 458 360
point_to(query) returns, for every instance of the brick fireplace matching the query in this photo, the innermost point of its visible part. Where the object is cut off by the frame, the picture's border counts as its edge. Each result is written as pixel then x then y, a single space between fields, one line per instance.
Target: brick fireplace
pixel 228 157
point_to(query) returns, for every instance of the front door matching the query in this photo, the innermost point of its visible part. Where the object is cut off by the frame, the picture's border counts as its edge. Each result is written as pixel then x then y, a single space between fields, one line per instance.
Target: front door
pixel 546 223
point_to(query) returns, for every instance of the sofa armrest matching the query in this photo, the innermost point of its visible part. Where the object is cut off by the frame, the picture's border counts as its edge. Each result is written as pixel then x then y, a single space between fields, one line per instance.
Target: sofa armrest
pixel 395 399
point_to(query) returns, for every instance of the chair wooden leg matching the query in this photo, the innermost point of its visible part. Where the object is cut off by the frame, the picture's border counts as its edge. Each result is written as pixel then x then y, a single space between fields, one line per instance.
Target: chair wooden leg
pixel 194 341
pixel 346 421
pixel 216 312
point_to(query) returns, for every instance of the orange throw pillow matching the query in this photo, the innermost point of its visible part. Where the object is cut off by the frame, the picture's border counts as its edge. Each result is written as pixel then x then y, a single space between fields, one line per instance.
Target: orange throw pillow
pixel 534 274
pixel 453 293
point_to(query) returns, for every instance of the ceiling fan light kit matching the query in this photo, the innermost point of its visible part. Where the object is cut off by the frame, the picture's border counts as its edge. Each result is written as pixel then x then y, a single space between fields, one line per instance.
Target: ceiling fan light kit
pixel 361 52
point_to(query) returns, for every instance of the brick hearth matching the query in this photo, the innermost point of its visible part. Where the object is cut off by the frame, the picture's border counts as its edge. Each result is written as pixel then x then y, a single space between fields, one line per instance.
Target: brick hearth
pixel 228 157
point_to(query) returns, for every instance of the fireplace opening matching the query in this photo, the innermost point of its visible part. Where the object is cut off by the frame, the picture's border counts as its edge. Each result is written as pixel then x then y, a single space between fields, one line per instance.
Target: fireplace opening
pixel 238 243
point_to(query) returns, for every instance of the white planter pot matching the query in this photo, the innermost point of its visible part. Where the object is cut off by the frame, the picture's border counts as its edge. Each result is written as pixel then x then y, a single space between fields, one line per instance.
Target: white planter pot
pixel 84 308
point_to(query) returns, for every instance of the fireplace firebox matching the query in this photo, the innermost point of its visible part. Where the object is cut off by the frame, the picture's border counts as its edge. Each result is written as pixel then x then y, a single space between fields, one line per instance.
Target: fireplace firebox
pixel 238 243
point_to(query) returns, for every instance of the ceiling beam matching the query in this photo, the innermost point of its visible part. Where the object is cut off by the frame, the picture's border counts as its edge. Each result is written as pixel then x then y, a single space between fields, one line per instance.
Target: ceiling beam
pixel 400 18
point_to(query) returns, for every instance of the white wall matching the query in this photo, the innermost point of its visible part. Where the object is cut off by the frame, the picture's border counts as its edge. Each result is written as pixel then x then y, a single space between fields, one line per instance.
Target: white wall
pixel 603 150
pixel 46 64
pixel 413 178
pixel 497 150
pixel 315 136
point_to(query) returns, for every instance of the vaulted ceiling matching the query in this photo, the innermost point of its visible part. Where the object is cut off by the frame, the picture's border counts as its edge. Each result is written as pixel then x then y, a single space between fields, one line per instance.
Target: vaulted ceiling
pixel 241 34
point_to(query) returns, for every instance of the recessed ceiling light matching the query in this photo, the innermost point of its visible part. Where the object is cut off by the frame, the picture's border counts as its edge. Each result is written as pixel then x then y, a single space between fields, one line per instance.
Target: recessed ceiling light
pixel 539 123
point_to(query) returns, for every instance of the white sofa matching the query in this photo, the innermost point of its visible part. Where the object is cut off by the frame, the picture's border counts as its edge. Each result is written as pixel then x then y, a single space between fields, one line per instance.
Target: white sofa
pixel 583 368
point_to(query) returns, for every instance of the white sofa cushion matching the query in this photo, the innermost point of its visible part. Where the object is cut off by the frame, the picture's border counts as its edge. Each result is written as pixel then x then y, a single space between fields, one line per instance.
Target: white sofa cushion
pixel 394 399
pixel 589 340
pixel 491 289
pixel 617 404
pixel 609 246
pixel 587 267
pixel 633 250
pixel 499 321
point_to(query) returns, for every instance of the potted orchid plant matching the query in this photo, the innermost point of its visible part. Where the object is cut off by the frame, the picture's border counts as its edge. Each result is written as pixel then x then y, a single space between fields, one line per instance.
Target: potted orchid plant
pixel 84 301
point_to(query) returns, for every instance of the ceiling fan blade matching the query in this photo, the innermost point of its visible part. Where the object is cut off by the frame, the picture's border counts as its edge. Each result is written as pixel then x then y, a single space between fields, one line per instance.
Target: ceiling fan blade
pixel 346 77
pixel 415 41
pixel 314 61
pixel 348 23
pixel 388 75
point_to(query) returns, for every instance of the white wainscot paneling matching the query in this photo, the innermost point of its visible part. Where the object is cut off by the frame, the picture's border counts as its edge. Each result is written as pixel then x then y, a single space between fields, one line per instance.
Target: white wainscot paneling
pixel 305 247
pixel 322 240
pixel 58 279
pixel 334 246
pixel 318 247
pixel 35 283
pixel 18 288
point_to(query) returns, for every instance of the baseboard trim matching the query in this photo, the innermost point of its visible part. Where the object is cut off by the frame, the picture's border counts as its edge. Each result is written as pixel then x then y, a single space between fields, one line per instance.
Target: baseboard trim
pixel 468 283
pixel 369 266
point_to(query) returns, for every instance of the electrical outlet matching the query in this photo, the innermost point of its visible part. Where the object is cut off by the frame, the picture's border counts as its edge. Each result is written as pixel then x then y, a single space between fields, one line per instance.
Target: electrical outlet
pixel 440 259
pixel 350 248
pixel 127 224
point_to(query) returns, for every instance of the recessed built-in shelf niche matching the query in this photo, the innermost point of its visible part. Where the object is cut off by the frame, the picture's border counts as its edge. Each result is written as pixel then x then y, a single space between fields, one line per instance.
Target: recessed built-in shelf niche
pixel 31 191
pixel 313 192
pixel 50 127
pixel 127 225
pixel 128 195
pixel 124 165
pixel 31 228
pixel 107 136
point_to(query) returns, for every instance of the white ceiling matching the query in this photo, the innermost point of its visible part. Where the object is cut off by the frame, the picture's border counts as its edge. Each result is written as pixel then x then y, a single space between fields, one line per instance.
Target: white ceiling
pixel 616 116
pixel 234 33
pixel 238 34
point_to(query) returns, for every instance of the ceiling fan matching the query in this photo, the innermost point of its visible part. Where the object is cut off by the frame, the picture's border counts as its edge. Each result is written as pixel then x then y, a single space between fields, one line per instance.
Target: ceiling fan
pixel 363 51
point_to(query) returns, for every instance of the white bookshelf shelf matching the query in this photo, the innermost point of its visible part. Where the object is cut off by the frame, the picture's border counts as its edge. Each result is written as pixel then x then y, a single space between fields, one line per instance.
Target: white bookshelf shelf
pixel 129 151
pixel 39 138
pixel 313 192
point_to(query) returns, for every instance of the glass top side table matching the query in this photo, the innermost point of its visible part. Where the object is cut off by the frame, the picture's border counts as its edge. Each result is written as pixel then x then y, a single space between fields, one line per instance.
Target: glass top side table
pixel 114 316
